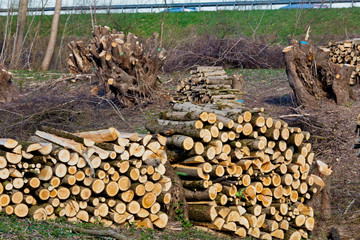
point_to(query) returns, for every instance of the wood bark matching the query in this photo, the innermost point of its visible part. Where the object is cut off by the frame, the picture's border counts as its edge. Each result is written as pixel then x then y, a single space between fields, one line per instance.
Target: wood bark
pixel 177 195
pixel 19 34
pixel 8 91
pixel 52 41
pixel 312 77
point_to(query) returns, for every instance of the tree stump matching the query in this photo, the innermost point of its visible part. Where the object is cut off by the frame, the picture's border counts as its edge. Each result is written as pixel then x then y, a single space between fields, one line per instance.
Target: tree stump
pixel 313 77
pixel 8 91
pixel 178 204
pixel 238 82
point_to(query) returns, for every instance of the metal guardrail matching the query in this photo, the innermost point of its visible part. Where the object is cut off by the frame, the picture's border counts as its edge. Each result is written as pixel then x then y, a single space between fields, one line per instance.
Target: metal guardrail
pixel 192 5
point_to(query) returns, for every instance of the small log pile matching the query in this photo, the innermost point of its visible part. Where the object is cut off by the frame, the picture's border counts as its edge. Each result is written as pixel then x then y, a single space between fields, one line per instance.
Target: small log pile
pixel 209 85
pixel 108 176
pixel 347 52
pixel 127 69
pixel 242 171
pixel 8 91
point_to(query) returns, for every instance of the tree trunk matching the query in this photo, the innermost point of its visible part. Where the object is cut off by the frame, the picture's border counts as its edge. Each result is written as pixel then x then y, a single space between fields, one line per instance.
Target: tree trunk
pixel 313 77
pixel 19 35
pixel 52 41
pixel 238 82
pixel 8 91
pixel 178 200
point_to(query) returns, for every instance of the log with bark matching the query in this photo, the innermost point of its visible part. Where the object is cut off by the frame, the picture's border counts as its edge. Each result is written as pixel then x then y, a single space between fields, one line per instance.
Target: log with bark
pixel 254 183
pixel 313 77
pixel 210 85
pixel 106 175
pixel 79 61
pixel 127 67
pixel 8 91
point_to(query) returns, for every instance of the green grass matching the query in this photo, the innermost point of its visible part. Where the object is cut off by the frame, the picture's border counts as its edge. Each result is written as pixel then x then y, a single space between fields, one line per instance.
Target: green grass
pixel 266 77
pixel 12 227
pixel 277 26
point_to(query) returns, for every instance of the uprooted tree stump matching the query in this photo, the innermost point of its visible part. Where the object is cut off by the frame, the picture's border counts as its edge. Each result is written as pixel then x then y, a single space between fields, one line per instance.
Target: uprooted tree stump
pixel 127 69
pixel 313 77
pixel 8 91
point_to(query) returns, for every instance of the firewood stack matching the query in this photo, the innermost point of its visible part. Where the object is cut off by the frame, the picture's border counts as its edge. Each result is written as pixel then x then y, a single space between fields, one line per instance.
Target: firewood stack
pixel 242 171
pixel 209 85
pixel 127 69
pixel 347 52
pixel 105 175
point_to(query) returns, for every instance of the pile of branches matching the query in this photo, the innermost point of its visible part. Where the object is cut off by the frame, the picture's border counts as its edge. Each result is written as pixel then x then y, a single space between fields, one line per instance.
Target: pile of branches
pixel 237 53
pixel 127 69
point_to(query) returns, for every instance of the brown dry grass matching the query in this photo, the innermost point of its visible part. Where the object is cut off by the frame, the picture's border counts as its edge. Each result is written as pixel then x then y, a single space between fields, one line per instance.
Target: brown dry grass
pixel 68 106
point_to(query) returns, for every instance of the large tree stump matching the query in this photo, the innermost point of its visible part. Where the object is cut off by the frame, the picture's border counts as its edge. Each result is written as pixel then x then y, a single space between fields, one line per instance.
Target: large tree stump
pixel 178 204
pixel 127 68
pixel 313 77
pixel 8 91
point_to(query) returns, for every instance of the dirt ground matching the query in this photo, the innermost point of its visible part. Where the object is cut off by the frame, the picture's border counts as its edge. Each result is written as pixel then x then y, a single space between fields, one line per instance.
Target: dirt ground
pixel 70 106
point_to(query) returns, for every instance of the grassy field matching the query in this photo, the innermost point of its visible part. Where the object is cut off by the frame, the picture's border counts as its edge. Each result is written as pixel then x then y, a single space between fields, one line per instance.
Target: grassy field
pixel 276 26
pixel 181 30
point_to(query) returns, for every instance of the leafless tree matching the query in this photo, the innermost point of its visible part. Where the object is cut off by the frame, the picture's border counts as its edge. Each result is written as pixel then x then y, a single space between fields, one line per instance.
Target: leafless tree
pixel 34 42
pixel 91 16
pixel 59 58
pixel 19 35
pixel 53 34
pixel 2 56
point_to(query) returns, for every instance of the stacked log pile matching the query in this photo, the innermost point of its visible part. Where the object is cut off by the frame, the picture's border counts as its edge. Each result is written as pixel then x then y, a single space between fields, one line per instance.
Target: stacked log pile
pixel 242 171
pixel 209 85
pixel 105 175
pixel 347 52
pixel 127 69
